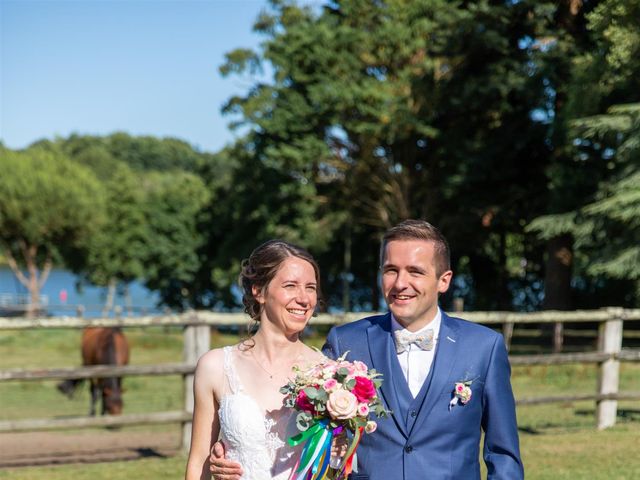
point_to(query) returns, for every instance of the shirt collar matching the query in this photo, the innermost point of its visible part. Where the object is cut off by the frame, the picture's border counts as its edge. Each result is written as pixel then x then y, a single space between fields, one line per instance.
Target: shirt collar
pixel 433 324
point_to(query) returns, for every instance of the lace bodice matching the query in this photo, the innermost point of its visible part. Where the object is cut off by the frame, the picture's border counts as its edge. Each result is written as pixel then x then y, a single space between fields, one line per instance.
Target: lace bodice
pixel 253 438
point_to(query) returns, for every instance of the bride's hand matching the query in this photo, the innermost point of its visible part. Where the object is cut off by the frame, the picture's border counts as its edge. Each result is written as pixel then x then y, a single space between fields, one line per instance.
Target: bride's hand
pixel 220 467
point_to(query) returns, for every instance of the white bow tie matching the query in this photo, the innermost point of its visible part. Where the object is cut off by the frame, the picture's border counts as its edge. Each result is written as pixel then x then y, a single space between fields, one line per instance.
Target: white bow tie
pixel 422 340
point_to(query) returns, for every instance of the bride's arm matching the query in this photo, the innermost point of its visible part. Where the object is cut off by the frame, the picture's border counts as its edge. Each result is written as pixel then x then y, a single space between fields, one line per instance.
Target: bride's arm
pixel 205 426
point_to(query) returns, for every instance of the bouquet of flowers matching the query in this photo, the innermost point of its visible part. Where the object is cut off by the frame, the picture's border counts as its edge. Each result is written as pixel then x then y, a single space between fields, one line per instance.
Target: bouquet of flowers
pixel 334 397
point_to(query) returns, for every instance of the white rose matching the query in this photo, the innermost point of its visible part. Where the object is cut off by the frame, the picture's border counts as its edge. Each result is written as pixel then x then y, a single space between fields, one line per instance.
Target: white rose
pixel 342 405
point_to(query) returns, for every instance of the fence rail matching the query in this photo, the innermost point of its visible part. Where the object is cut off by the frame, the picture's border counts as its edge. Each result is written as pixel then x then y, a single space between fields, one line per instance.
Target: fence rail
pixel 196 335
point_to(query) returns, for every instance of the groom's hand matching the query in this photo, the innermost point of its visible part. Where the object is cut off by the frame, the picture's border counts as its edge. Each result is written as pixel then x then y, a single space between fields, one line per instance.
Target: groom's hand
pixel 221 468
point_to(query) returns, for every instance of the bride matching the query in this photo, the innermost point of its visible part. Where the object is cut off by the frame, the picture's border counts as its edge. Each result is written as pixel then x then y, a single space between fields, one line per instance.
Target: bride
pixel 237 388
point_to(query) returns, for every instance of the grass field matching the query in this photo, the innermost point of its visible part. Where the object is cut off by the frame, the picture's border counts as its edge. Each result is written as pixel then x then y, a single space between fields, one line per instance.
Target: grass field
pixel 558 441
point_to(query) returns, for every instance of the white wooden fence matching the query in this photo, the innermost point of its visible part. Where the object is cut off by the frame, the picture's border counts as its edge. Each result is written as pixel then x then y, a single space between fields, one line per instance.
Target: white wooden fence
pixel 197 326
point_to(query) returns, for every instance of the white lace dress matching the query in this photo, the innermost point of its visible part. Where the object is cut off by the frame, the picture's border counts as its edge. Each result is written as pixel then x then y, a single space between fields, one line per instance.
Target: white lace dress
pixel 253 438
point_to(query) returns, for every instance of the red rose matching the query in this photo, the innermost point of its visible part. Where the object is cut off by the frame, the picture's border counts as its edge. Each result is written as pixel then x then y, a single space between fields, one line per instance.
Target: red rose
pixel 364 390
pixel 303 403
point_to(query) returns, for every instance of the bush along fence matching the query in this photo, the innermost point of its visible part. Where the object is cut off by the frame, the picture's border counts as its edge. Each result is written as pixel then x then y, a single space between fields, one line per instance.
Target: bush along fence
pixel 197 326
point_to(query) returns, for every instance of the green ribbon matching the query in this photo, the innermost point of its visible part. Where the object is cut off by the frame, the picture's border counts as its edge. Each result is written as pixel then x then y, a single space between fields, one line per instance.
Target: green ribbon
pixel 311 431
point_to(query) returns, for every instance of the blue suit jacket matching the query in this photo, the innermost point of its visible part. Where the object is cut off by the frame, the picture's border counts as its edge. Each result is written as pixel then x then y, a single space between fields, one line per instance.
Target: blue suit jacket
pixel 424 438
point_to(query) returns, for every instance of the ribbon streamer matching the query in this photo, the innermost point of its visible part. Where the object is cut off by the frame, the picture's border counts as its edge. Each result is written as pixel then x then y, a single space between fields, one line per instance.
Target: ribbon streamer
pixel 314 460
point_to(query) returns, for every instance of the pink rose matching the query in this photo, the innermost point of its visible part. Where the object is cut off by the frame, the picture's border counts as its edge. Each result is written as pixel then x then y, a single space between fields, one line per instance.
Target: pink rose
pixel 364 389
pixel 463 392
pixel 363 409
pixel 303 402
pixel 360 367
pixel 330 385
pixel 342 405
pixel 350 368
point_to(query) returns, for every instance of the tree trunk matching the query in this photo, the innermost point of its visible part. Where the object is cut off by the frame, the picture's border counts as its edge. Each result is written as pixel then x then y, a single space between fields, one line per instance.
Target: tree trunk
pixel 504 297
pixel 128 301
pixel 557 284
pixel 375 289
pixel 34 280
pixel 111 293
pixel 346 270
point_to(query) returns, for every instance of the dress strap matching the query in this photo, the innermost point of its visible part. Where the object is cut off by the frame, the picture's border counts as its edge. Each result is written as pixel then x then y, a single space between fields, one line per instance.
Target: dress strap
pixel 230 372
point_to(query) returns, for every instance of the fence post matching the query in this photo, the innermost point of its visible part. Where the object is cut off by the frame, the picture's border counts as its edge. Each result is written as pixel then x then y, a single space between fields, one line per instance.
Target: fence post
pixel 609 341
pixel 507 333
pixel 196 343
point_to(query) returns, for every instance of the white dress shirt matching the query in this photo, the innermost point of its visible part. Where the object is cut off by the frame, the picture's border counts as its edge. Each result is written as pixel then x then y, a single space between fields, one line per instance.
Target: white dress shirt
pixel 416 363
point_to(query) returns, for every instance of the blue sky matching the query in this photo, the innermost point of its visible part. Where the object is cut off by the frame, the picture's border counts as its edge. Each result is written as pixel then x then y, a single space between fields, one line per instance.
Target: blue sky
pixel 147 67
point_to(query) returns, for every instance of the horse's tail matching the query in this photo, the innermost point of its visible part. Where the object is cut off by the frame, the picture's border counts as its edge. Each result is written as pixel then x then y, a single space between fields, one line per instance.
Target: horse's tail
pixel 69 386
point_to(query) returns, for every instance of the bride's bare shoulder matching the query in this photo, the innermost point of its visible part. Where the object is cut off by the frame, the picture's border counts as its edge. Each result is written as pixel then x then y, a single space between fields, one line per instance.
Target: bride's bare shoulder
pixel 313 356
pixel 212 360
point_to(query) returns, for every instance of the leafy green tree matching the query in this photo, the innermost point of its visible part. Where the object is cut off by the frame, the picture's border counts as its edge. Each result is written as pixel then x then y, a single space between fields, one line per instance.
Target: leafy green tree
pixel 174 203
pixel 592 64
pixel 118 251
pixel 153 207
pixel 396 109
pixel 49 209
pixel 607 229
pixel 137 152
pixel 150 153
pixel 251 202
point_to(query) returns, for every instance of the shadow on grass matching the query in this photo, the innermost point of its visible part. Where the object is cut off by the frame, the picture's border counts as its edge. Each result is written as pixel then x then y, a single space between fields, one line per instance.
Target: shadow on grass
pixel 529 430
pixel 149 453
pixel 625 413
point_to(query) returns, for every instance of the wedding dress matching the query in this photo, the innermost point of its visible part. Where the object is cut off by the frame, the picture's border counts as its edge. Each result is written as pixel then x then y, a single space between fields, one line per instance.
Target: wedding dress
pixel 253 438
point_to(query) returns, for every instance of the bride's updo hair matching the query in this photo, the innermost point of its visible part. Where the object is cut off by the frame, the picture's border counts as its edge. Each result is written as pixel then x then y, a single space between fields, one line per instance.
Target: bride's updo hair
pixel 262 265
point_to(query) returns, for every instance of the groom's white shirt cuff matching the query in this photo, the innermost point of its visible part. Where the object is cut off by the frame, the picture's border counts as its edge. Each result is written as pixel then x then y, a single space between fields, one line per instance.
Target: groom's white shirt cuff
pixel 416 363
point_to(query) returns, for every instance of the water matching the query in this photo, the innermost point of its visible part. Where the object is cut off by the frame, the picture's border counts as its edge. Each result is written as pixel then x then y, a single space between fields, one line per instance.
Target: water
pixel 63 296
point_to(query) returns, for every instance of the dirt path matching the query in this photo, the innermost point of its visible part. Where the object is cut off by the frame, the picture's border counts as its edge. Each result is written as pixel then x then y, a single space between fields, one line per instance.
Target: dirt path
pixel 49 448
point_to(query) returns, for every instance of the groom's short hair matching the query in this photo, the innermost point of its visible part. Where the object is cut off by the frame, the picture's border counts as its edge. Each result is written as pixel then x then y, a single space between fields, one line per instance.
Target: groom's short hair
pixel 420 230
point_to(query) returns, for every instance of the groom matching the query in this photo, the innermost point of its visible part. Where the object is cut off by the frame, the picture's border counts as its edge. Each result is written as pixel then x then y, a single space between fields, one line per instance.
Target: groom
pixel 445 379
pixel 426 357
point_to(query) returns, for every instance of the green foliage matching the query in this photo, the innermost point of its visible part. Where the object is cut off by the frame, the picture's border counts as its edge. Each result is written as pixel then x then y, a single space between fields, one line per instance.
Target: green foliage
pixel 607 229
pixel 173 204
pixel 496 121
pixel 47 200
pixel 50 208
pixel 119 251
pixel 593 70
pixel 381 111
pixel 138 152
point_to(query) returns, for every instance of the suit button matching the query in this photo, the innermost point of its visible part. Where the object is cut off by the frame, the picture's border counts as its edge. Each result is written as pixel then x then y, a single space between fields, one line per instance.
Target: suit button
pixel 408 449
pixel 413 413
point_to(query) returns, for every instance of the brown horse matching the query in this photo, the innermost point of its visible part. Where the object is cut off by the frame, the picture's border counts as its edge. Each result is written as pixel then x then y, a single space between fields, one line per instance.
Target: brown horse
pixel 102 346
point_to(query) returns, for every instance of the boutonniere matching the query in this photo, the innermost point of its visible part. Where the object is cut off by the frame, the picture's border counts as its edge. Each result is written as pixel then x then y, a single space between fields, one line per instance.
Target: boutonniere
pixel 461 393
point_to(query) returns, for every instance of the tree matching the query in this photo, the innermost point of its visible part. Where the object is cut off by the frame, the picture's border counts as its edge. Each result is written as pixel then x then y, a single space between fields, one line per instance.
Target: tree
pixel 118 251
pixel 607 229
pixel 173 204
pixel 49 208
pixel 396 109
pixel 251 202
pixel 597 48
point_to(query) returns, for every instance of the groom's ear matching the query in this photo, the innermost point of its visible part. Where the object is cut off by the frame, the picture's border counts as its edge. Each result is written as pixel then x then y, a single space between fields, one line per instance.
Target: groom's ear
pixel 444 281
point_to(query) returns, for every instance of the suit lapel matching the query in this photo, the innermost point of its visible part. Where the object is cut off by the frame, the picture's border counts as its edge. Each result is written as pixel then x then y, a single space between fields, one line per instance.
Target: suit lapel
pixel 444 361
pixel 382 351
